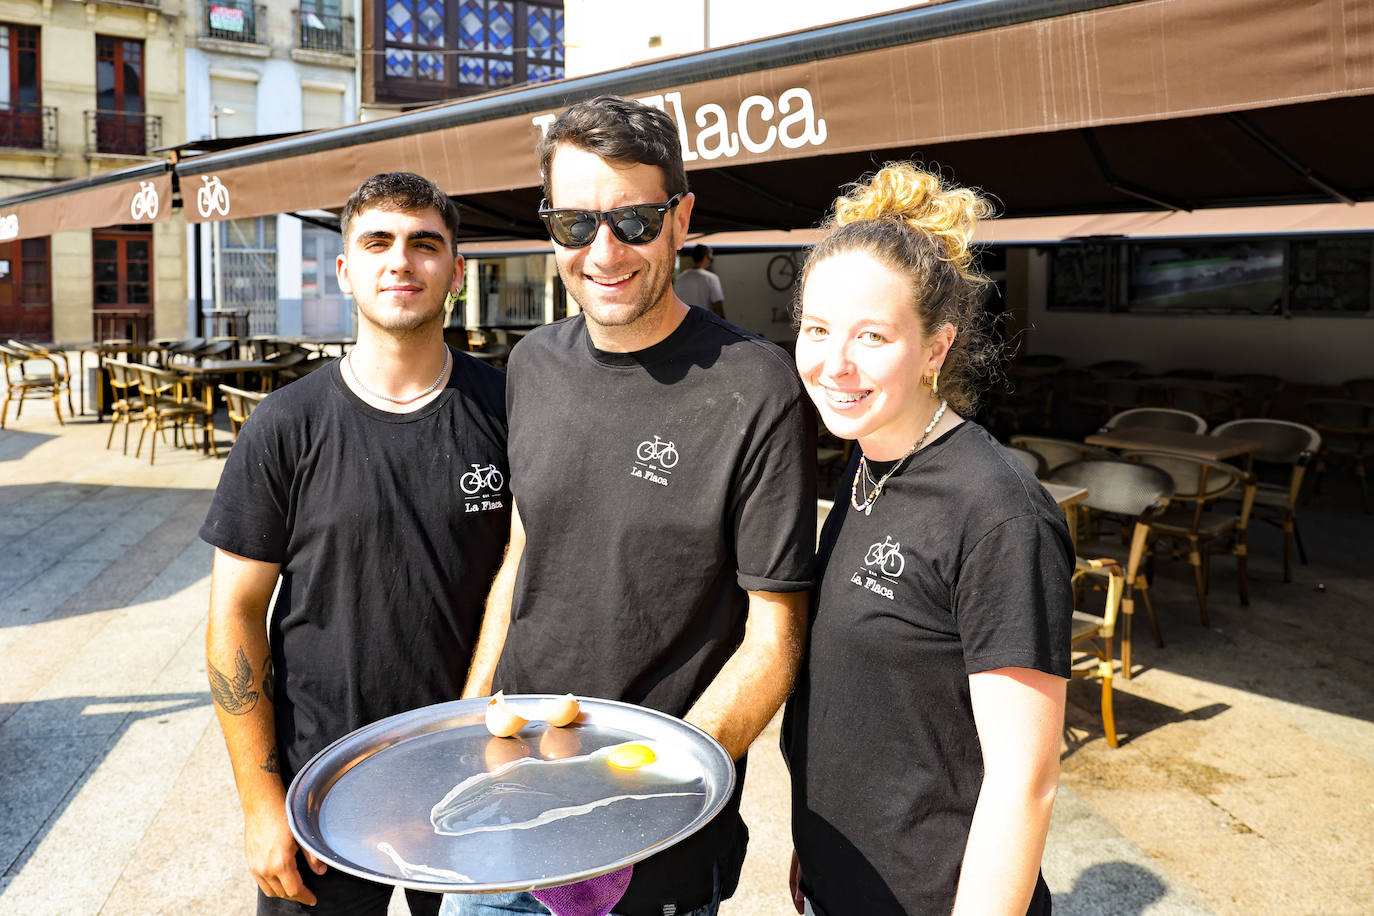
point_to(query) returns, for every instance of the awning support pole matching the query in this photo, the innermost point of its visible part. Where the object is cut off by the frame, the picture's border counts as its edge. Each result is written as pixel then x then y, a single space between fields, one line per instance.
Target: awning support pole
pixel 200 283
pixel 1123 187
pixel 1288 159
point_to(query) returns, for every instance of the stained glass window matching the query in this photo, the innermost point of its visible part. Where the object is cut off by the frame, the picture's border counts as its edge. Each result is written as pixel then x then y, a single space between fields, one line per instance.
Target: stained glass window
pixel 469 46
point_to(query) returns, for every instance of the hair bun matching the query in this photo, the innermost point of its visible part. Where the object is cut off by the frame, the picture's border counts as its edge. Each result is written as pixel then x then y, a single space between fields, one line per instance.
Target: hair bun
pixel 923 201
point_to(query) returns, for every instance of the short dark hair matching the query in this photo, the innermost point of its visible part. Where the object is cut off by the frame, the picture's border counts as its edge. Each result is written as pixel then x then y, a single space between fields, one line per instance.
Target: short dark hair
pixel 620 131
pixel 700 253
pixel 404 191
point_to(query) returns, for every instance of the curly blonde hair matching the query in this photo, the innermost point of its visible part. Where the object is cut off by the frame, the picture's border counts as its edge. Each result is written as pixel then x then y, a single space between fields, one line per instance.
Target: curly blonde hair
pixel 921 227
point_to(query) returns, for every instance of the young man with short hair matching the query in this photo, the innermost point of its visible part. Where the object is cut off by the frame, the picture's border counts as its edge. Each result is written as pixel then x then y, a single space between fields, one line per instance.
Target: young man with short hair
pixel 698 286
pixel 345 484
pixel 662 461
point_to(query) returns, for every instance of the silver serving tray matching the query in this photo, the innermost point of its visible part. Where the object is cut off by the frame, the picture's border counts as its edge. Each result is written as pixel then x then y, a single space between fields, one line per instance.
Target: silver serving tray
pixel 539 809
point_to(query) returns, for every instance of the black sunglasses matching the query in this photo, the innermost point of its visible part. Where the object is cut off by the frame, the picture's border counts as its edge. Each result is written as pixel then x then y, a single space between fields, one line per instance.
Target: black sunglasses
pixel 639 224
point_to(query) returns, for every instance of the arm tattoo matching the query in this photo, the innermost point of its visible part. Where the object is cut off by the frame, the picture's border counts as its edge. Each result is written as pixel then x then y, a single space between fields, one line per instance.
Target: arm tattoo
pixel 273 763
pixel 269 681
pixel 235 696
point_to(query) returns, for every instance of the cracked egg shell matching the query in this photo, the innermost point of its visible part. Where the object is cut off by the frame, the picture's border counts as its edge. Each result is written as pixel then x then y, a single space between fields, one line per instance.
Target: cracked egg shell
pixel 560 711
pixel 502 720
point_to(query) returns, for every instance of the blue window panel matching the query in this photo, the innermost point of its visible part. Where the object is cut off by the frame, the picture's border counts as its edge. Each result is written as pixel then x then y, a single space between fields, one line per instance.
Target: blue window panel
pixel 400 63
pixel 500 72
pixel 399 23
pixel 472 71
pixel 472 26
pixel 430 16
pixel 430 67
pixel 540 36
pixel 558 37
pixel 501 27
pixel 539 73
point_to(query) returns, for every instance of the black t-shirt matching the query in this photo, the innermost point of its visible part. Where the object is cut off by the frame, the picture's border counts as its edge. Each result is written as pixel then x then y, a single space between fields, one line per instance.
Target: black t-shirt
pixel 962 567
pixel 389 528
pixel 655 488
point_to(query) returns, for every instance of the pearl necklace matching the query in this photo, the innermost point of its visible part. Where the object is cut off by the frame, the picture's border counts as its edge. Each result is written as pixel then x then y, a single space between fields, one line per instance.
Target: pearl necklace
pixel 862 473
pixel 448 360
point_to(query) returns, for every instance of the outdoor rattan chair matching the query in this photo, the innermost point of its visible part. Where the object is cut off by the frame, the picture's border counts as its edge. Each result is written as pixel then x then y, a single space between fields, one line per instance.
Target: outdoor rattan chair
pixel 1030 459
pixel 58 356
pixel 1196 515
pixel 1199 398
pixel 1116 368
pixel 217 349
pixel 168 402
pixel 1361 389
pixel 1091 644
pixel 27 377
pixel 239 404
pixel 1060 451
pixel 1347 431
pixel 1291 446
pixel 1158 418
pixel 1257 392
pixel 127 401
pixel 1136 494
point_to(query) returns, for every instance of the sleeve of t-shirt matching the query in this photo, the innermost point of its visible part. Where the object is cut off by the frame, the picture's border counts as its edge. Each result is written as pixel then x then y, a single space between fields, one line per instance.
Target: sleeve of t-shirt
pixel 1013 603
pixel 248 515
pixel 717 294
pixel 775 505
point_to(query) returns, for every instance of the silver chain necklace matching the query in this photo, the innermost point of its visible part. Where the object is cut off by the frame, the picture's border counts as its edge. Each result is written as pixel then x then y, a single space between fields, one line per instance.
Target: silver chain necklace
pixel 866 507
pixel 448 359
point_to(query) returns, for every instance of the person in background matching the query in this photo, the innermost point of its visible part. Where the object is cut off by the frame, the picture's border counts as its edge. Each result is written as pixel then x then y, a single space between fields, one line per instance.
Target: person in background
pixel 698 286
pixel 372 489
pixel 923 737
pixel 663 468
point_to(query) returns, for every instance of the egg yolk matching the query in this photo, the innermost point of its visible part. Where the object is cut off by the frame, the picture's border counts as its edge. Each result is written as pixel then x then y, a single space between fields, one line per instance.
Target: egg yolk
pixel 631 756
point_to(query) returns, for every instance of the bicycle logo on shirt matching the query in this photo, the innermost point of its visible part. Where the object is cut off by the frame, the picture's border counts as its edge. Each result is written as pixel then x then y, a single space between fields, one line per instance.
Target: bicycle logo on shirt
pixel 887 556
pixel 665 453
pixel 482 478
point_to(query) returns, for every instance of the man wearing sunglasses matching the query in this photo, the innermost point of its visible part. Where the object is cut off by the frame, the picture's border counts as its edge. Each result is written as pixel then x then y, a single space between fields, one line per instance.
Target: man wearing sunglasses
pixel 662 463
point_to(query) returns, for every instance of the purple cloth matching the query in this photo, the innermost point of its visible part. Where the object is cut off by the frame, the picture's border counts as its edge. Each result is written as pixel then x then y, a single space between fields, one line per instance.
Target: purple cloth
pixel 593 897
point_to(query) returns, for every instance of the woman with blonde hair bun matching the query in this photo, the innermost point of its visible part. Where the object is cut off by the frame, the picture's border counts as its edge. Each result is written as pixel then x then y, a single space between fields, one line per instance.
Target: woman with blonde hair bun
pixel 924 732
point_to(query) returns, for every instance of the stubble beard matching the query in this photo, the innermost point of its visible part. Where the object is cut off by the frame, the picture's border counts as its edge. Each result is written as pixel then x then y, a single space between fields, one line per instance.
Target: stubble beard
pixel 655 298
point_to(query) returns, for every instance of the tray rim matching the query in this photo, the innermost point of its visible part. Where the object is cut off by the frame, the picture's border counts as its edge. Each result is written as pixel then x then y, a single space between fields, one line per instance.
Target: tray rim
pixel 298 794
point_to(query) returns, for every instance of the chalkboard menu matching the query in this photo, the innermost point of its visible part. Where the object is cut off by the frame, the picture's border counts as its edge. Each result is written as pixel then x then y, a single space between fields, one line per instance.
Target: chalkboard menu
pixel 1330 275
pixel 1082 278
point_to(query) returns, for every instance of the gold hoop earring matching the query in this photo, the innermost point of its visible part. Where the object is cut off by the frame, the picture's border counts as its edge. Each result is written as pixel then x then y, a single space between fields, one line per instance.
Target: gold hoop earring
pixel 932 381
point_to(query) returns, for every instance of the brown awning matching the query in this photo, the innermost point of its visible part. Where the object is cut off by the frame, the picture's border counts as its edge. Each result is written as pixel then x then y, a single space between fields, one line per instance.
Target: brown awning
pixel 139 195
pixel 824 119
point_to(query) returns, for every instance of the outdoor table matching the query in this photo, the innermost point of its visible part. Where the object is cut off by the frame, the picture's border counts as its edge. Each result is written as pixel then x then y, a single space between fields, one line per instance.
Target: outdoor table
pixel 209 370
pixel 322 341
pixel 1193 445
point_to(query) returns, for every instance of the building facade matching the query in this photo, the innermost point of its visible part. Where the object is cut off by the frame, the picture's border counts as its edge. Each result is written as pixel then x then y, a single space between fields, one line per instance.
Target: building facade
pixel 88 88
pixel 255 69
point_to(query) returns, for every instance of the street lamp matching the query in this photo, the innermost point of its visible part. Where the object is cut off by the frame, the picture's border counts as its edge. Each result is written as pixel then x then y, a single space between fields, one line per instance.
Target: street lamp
pixel 215 112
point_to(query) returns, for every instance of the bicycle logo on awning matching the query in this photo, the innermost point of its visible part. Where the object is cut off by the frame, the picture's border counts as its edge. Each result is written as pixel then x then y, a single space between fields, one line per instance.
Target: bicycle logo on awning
pixel 212 197
pixel 145 203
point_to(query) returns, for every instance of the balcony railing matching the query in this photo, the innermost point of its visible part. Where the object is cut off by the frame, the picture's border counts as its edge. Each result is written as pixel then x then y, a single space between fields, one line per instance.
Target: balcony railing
pixel 229 20
pixel 28 127
pixel 324 32
pixel 126 133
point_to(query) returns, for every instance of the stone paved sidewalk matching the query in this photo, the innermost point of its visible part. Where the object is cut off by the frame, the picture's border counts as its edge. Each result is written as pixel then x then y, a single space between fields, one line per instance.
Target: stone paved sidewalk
pixel 1244 784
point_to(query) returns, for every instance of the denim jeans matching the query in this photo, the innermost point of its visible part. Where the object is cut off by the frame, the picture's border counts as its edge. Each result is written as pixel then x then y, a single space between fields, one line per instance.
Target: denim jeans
pixel 498 904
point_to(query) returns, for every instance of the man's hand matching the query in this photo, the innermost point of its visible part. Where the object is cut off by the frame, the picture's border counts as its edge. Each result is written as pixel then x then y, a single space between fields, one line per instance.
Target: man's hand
pixel 271 851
